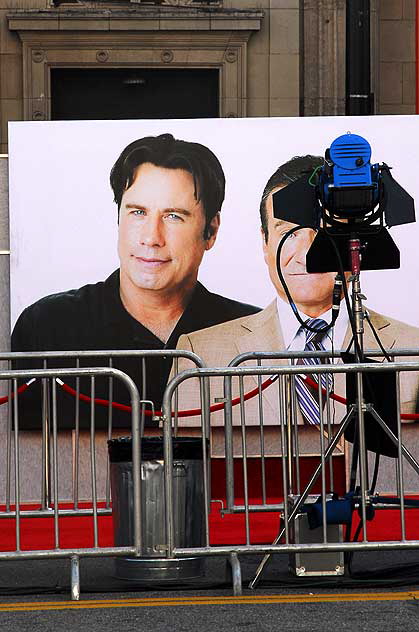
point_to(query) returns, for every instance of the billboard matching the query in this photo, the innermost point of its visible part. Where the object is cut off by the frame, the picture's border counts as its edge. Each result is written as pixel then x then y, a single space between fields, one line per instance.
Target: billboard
pixel 64 222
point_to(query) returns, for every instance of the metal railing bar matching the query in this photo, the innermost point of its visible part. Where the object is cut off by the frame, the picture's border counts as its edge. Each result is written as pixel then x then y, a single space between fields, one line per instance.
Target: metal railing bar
pixel 47 513
pixel 290 431
pixel 110 423
pixel 9 443
pixel 45 448
pixel 143 396
pixel 329 432
pixel 21 355
pixel 93 460
pixel 176 402
pixel 244 459
pixel 269 549
pixel 400 459
pixel 407 455
pixel 289 355
pixel 68 553
pixel 168 475
pixel 76 451
pixel 228 441
pixel 322 459
pixel 296 443
pixel 262 437
pixel 262 508
pixel 17 465
pixel 288 370
pixel 55 464
pixel 284 449
pixel 206 483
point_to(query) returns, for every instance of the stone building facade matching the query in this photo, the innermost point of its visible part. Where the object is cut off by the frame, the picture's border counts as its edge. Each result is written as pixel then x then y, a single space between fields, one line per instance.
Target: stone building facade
pixel 274 57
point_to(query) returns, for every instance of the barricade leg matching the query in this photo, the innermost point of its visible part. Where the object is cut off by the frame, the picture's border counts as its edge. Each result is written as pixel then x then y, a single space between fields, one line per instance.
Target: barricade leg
pixel 234 568
pixel 75 578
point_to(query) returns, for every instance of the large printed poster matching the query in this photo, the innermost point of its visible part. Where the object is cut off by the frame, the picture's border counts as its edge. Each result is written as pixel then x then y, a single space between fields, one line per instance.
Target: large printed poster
pixel 65 231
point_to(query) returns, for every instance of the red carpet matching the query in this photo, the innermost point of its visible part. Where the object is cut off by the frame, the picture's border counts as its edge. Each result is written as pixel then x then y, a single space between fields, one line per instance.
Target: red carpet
pixel 38 533
pixel 75 532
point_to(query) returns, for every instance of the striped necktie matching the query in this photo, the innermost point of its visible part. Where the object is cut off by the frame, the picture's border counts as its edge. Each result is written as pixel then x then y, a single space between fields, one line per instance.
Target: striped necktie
pixel 307 396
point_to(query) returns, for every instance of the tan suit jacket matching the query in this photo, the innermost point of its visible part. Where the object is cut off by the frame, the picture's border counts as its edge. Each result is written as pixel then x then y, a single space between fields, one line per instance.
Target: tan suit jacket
pixel 218 345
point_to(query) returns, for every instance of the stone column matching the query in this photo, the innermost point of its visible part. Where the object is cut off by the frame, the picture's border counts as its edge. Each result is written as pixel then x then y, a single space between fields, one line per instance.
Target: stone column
pixel 323 59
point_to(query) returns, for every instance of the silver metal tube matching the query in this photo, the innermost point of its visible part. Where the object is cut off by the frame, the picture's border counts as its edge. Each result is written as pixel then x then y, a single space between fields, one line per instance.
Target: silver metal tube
pixel 289 433
pixel 204 387
pixel 110 424
pixel 140 353
pixel 46 473
pixel 168 474
pixel 46 513
pixel 176 399
pixel 362 453
pixel 136 461
pixel 75 578
pixel 291 370
pixel 205 399
pixel 76 447
pixel 93 459
pixel 296 444
pixel 407 455
pixel 217 550
pixel 244 458
pixel 143 395
pixel 55 465
pixel 206 482
pixel 322 459
pixel 400 481
pixel 270 549
pixel 17 465
pixel 228 442
pixel 262 438
pixel 9 442
pixel 284 460
pixel 329 434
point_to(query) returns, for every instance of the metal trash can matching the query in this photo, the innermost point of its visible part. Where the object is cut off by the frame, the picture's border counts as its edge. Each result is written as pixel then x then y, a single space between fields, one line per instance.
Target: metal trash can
pixel 188 509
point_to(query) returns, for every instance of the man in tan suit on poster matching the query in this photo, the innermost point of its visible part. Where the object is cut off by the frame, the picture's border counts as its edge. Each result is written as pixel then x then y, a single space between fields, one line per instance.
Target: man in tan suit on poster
pixel 276 328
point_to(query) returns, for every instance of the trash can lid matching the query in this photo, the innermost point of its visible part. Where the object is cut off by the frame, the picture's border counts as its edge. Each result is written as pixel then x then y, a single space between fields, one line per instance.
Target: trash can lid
pixel 120 449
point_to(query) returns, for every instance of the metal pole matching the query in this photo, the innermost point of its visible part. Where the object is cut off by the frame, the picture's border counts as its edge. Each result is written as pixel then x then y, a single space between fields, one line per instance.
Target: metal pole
pixel 358 58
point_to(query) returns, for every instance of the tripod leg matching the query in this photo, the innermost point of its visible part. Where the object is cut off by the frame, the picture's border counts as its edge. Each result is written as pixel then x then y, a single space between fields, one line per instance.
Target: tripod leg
pixel 405 452
pixel 299 503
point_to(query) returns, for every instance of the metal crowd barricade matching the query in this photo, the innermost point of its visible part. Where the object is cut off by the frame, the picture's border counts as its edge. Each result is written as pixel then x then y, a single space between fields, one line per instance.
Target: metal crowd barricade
pixel 19 514
pixel 282 357
pixel 329 438
pixel 50 483
pixel 108 356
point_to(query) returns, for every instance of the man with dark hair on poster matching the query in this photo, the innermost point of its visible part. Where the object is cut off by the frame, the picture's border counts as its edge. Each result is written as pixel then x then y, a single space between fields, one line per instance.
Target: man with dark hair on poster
pixel 276 328
pixel 169 195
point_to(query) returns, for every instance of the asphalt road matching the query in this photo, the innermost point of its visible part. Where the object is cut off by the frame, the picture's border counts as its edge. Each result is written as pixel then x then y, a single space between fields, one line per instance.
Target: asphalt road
pixel 35 595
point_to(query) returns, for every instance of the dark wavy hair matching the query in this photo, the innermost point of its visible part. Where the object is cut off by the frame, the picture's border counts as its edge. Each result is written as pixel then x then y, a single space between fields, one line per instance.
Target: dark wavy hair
pixel 171 153
pixel 289 172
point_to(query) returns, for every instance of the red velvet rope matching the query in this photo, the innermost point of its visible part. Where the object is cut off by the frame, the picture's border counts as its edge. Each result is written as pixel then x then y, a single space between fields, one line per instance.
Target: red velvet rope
pixel 193 411
pixel 182 413
pixel 20 390
pixel 215 407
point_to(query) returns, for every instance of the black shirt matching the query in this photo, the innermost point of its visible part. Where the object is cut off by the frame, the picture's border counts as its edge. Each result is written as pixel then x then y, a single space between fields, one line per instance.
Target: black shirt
pixel 93 318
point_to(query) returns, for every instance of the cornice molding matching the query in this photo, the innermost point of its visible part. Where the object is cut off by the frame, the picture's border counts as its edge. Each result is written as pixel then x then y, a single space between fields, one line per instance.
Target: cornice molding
pixel 134 19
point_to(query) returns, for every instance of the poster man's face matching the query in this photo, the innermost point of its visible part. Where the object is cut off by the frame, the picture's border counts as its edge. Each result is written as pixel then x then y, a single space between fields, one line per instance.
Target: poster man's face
pixel 312 293
pixel 161 228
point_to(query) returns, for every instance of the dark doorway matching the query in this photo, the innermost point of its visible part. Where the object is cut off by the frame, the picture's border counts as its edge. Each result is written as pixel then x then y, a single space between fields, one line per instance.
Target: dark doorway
pixel 121 93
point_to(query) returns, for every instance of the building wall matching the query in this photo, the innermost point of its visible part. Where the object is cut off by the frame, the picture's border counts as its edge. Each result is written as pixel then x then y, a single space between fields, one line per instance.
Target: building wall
pixel 396 48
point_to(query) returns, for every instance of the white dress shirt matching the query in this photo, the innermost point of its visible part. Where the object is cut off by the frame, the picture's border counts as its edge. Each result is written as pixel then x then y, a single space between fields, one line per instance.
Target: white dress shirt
pixel 295 340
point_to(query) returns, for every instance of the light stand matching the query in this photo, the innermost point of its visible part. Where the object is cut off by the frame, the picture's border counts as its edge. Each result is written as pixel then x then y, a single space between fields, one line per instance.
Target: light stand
pixel 355 414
